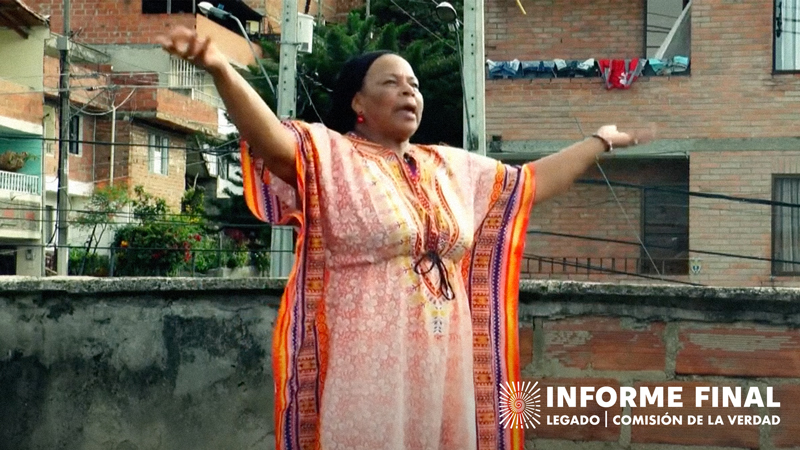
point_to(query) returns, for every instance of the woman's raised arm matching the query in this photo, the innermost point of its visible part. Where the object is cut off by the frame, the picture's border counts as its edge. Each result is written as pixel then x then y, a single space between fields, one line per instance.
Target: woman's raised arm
pixel 257 124
pixel 557 172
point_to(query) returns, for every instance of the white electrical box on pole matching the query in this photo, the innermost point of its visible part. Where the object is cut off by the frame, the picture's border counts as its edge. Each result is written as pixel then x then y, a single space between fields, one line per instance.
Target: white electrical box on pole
pixel 474 77
pixel 281 257
pixel 62 205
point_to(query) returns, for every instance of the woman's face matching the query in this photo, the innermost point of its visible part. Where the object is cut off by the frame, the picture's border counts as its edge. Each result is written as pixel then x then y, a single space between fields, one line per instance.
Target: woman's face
pixel 389 99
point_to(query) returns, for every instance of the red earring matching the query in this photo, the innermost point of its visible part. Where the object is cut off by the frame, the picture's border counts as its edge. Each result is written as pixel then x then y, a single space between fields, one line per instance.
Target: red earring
pixel 359 118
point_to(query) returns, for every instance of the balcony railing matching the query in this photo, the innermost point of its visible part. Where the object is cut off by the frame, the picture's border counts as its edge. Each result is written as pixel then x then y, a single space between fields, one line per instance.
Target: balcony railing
pixel 184 75
pixel 208 99
pixel 17 182
pixel 609 265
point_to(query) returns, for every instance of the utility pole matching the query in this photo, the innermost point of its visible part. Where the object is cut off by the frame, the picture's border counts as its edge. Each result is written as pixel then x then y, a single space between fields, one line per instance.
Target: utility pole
pixel 62 249
pixel 287 86
pixel 474 77
pixel 281 257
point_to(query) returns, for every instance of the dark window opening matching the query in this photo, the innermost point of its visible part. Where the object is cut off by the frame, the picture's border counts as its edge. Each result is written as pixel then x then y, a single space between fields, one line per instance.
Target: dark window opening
pixel 8 260
pixel 668 29
pixel 75 135
pixel 665 223
pixel 786 226
pixel 168 6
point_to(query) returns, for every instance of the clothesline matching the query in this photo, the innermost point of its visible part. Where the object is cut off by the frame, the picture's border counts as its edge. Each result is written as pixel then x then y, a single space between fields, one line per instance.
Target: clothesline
pixel 617 73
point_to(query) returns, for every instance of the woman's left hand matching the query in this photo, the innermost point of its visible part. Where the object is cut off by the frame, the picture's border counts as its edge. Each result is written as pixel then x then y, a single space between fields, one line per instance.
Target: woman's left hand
pixel 621 139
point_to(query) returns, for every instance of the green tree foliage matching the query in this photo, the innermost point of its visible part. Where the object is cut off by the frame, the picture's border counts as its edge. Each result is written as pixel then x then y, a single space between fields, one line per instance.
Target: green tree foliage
pixel 98 217
pixel 410 29
pixel 158 243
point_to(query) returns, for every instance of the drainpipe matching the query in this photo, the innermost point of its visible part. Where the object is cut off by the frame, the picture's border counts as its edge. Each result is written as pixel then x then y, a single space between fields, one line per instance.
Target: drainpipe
pixel 113 139
pixel 43 186
pixel 94 151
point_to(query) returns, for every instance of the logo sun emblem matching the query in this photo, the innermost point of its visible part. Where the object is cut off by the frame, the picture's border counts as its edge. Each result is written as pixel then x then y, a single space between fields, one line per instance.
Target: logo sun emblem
pixel 519 404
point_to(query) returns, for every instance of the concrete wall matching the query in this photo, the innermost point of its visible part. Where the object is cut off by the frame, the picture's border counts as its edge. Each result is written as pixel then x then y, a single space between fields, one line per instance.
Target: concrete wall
pixel 593 335
pixel 26 71
pixel 176 364
pixel 136 364
pixel 137 58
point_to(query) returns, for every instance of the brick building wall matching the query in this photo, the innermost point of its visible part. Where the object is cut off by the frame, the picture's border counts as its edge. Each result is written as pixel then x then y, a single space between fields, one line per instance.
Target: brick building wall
pixel 730 108
pixel 563 29
pixel 258 5
pixel 117 22
pixel 586 210
pixel 591 225
pixel 735 227
pixel 90 100
pixel 82 166
pixel 142 94
pixel 132 160
pixel 20 103
pixel 170 187
pixel 110 22
pixel 181 111
pixel 731 92
pixel 122 151
pixel 593 343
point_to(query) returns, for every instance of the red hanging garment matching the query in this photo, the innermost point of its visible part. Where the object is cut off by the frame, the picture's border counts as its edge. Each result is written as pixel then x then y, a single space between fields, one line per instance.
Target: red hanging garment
pixel 620 73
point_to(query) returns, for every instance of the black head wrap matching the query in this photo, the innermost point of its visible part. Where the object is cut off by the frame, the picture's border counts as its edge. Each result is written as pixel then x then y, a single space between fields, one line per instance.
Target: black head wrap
pixel 341 116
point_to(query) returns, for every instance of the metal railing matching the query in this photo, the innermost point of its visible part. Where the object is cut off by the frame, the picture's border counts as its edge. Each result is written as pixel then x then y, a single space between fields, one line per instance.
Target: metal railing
pixel 209 99
pixel 187 262
pixel 17 182
pixel 184 75
pixel 609 265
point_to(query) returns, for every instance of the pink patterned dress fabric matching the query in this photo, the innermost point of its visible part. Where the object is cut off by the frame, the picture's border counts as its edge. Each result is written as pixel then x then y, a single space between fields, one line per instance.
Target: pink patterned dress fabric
pixel 393 353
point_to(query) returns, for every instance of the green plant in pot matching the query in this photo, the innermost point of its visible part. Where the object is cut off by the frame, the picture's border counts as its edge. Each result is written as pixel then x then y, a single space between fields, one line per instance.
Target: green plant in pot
pixel 12 161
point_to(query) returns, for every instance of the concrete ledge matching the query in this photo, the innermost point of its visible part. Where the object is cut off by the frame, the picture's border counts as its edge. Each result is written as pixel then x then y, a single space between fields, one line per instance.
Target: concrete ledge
pixel 555 299
pixel 538 298
pixel 131 285
pixel 529 150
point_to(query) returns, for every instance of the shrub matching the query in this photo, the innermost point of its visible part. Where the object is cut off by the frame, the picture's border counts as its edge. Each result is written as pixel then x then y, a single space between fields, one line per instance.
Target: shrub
pixel 154 249
pixel 93 264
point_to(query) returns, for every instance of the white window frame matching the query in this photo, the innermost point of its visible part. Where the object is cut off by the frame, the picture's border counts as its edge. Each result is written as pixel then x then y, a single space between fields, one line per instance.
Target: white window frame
pixel 158 153
pixel 784 226
pixel 786 36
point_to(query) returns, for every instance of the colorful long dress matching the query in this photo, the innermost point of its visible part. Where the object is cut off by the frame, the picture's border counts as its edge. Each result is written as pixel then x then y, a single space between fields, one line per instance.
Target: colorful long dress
pixel 399 320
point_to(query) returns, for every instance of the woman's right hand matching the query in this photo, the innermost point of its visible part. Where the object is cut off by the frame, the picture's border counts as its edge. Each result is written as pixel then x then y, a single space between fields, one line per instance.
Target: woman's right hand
pixel 257 124
pixel 186 44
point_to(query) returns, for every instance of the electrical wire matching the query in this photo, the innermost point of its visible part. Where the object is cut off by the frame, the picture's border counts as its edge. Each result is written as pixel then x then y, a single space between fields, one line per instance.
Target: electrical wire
pixel 190 149
pixel 113 108
pixel 432 33
pixel 756 201
pixel 689 250
pixel 616 199
pixel 310 100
